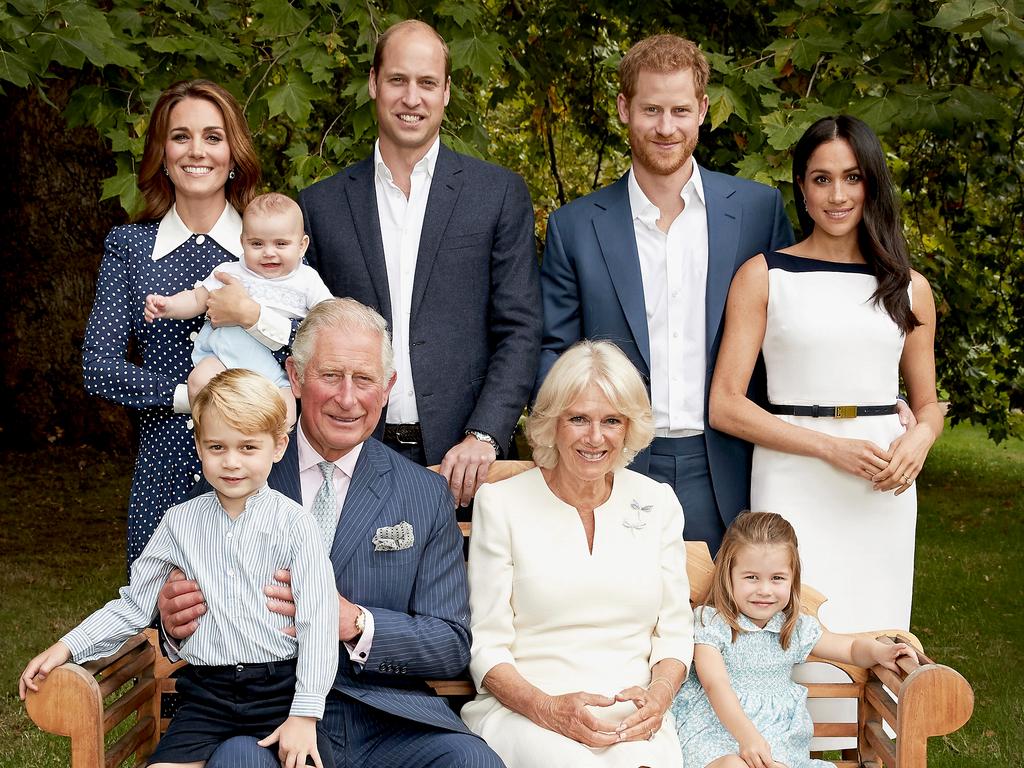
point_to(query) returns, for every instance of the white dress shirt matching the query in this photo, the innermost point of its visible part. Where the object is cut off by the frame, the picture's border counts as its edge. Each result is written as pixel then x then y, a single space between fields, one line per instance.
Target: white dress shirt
pixel 401 223
pixel 231 560
pixel 272 329
pixel 674 270
pixel 310 480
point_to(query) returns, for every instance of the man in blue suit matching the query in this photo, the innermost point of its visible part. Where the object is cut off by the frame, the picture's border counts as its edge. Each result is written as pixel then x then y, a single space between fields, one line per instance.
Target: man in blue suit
pixel 442 245
pixel 396 552
pixel 647 263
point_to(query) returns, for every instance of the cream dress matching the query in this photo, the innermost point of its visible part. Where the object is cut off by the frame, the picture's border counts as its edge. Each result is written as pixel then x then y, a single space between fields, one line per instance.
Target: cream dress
pixel 573 621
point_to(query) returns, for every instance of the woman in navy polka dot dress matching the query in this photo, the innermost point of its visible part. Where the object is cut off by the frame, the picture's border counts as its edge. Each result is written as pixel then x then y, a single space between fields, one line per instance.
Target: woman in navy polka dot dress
pixel 198 169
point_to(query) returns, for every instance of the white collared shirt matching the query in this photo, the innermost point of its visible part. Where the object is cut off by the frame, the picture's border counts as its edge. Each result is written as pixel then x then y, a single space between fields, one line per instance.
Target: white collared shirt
pixel 674 270
pixel 272 329
pixel 401 224
pixel 172 232
pixel 310 480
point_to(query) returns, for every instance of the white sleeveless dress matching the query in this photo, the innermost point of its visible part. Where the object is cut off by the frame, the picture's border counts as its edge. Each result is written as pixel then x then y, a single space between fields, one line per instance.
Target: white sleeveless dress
pixel 827 343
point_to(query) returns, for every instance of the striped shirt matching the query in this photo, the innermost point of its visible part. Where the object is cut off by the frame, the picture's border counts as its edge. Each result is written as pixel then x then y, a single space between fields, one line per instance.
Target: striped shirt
pixel 232 560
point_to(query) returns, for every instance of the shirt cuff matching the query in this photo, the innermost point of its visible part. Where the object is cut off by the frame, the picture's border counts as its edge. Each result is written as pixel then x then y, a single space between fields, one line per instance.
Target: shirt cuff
pixel 181 403
pixel 308 705
pixel 360 652
pixel 170 645
pixel 272 329
pixel 78 643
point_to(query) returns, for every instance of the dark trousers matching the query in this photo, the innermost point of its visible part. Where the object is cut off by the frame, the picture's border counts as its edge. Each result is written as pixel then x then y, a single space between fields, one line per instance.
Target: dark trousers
pixel 363 737
pixel 682 462
pixel 217 703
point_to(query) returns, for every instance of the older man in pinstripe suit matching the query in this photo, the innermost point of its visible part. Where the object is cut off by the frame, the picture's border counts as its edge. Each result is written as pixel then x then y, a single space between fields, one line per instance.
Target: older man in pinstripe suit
pixel 397 557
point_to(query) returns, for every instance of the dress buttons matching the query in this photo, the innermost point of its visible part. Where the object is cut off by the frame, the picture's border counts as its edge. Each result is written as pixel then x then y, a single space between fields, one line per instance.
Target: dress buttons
pixel 200 239
pixel 190 424
pixel 193 336
pixel 195 477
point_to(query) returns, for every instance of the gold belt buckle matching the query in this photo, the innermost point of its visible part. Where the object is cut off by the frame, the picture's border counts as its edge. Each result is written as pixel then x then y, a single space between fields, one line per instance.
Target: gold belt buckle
pixel 846 411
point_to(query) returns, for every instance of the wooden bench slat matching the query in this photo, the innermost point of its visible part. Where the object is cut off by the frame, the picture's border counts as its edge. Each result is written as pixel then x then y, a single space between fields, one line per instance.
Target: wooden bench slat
pixel 139 696
pixel 881 743
pixel 881 702
pixel 111 683
pixel 130 742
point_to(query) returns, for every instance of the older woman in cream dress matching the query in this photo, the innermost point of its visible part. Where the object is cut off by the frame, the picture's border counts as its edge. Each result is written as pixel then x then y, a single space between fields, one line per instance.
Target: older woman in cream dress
pixel 582 628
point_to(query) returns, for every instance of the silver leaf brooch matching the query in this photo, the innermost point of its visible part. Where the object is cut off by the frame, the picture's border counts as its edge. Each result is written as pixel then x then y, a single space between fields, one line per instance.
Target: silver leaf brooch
pixel 635 520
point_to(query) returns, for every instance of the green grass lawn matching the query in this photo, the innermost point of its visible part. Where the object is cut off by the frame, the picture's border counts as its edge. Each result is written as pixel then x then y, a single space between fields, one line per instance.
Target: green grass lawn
pixel 62 543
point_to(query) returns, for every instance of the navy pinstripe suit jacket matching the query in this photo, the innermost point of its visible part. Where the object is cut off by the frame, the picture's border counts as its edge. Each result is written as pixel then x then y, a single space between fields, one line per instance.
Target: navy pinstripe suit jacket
pixel 419 597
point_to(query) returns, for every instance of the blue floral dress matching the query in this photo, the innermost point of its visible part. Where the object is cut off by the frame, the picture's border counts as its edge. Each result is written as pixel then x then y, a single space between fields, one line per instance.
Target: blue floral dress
pixel 166 467
pixel 759 670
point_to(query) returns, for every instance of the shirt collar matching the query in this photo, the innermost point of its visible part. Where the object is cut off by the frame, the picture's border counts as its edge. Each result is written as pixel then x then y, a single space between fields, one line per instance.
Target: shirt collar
pixel 642 208
pixel 227 233
pixel 260 494
pixel 309 458
pixel 425 164
pixel 774 624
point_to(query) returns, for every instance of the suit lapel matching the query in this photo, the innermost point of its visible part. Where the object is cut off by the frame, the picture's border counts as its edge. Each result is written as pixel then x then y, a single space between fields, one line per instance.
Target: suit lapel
pixel 444 192
pixel 366 496
pixel 724 220
pixel 362 201
pixel 613 225
pixel 284 475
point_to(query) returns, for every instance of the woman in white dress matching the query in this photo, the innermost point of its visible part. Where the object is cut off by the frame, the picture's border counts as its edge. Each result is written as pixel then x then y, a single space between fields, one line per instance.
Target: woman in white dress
pixel 582 628
pixel 839 317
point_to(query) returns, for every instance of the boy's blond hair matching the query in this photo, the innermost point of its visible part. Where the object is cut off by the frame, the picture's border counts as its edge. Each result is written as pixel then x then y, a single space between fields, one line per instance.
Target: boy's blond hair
pixel 247 401
pixel 270 204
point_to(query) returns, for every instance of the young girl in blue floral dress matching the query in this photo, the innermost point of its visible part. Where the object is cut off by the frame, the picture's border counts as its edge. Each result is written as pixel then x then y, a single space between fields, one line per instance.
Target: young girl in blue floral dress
pixel 739 707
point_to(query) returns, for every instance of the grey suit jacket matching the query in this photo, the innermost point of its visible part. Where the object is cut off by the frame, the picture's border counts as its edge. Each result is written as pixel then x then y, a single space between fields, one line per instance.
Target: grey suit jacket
pixel 592 289
pixel 474 330
pixel 419 597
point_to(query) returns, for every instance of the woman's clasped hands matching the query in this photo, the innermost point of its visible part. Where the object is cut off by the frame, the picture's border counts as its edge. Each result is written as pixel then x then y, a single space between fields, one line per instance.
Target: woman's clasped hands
pixel 651 705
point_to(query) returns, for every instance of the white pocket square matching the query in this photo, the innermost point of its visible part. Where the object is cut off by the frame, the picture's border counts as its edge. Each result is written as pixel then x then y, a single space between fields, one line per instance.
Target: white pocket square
pixel 391 538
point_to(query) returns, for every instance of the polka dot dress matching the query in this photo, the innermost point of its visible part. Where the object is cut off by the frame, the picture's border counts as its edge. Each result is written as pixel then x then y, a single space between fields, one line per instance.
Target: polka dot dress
pixel 166 467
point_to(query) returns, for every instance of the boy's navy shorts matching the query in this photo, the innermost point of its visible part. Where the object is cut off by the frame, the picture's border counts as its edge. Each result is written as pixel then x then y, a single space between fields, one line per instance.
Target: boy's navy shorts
pixel 217 703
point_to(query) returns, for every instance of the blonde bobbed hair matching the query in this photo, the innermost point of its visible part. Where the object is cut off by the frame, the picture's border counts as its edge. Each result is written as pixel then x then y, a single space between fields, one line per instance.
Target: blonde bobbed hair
pixel 604 365
pixel 247 401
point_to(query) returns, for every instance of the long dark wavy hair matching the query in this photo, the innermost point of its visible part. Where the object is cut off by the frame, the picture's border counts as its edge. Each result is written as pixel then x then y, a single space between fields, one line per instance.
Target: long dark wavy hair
pixel 879 234
pixel 157 190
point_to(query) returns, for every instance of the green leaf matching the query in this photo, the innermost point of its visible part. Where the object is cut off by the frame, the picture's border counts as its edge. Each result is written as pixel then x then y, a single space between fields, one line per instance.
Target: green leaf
pixel 976 103
pixel 879 111
pixel 720 62
pixel 278 18
pixel 479 55
pixel 293 97
pixel 761 78
pixel 882 28
pixel 964 17
pixel 214 49
pixel 458 11
pixel 123 186
pixel 722 103
pixel 783 133
pixel 15 69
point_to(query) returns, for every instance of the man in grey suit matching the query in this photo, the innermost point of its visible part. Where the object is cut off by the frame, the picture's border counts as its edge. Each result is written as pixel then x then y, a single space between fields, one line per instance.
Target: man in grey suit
pixel 442 245
pixel 396 551
pixel 647 263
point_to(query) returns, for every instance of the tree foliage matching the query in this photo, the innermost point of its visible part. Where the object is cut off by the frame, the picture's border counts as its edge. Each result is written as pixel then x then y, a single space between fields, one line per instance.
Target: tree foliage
pixel 534 89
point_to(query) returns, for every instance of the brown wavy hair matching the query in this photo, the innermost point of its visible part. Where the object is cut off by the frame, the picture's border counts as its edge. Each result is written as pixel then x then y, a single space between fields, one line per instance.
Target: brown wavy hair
pixel 754 529
pixel 663 54
pixel 156 188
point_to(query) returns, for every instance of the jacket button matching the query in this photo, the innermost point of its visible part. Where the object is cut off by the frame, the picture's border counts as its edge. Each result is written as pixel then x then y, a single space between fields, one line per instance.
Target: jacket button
pixel 382 667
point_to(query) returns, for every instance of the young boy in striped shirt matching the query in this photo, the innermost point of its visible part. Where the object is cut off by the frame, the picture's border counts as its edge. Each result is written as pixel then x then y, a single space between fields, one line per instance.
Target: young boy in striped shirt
pixel 245 676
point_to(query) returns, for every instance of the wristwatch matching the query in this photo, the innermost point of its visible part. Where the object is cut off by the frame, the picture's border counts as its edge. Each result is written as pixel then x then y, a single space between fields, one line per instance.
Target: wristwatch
pixel 360 622
pixel 484 437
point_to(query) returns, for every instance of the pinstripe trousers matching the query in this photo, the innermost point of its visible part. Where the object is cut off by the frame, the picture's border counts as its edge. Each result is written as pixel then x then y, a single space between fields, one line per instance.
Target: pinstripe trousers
pixel 364 737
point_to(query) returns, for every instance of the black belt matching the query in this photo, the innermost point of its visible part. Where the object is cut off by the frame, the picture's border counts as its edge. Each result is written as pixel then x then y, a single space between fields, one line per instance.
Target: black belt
pixel 403 434
pixel 832 411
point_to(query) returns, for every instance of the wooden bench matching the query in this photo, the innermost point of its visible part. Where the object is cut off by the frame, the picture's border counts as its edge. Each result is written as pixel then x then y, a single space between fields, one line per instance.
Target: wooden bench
pixel 122 694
